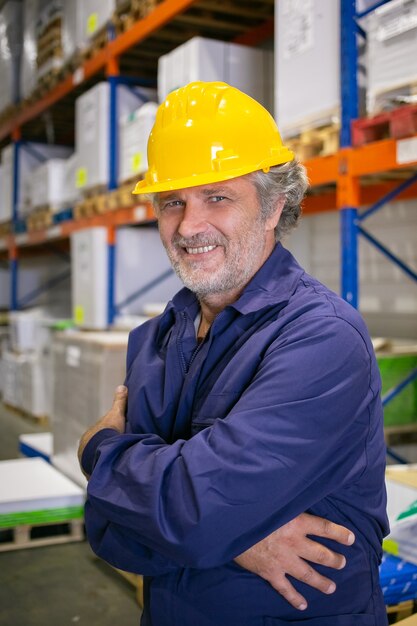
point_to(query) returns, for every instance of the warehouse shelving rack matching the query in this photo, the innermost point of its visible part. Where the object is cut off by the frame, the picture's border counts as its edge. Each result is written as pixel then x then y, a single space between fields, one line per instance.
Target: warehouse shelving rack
pixel 347 180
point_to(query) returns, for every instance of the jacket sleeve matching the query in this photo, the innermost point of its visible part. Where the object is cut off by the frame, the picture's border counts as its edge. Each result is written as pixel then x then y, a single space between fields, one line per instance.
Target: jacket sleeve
pixel 296 434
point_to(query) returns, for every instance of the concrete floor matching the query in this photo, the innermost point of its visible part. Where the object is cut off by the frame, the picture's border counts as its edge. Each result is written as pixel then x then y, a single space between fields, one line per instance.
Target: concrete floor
pixel 62 584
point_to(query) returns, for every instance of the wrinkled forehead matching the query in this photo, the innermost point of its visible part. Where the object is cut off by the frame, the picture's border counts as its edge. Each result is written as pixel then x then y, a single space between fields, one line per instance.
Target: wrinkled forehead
pixel 232 187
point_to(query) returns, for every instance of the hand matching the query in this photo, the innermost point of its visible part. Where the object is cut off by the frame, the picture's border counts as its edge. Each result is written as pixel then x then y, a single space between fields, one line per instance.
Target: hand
pixel 115 418
pixel 286 550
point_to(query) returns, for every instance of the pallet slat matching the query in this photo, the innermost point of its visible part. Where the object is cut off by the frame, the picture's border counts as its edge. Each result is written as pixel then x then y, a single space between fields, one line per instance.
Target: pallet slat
pixel 22 536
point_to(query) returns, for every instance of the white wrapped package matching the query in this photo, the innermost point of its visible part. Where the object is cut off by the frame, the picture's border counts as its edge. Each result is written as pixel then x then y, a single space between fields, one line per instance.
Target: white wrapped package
pixel 134 132
pixel 47 185
pixel 307 64
pixel 88 367
pixel 391 51
pixel 249 69
pixel 92 130
pixel 11 43
pixel 31 155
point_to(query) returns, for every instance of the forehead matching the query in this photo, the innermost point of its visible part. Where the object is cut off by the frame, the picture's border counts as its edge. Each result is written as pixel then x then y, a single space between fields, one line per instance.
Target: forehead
pixel 234 186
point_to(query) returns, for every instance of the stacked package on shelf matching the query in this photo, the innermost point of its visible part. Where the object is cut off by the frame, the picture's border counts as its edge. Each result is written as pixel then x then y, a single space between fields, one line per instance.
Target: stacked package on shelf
pixel 88 367
pixel 52 34
pixel 31 155
pixel 92 130
pixel 57 34
pixel 53 184
pixel 307 64
pixel 247 68
pixel 391 52
pixel 11 42
pixel 134 132
pixel 142 268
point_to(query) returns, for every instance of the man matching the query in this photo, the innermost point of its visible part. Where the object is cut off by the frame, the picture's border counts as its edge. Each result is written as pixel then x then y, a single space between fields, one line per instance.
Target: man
pixel 253 400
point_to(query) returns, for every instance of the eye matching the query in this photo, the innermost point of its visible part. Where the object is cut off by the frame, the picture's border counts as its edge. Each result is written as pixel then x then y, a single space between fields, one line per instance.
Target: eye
pixel 217 198
pixel 171 204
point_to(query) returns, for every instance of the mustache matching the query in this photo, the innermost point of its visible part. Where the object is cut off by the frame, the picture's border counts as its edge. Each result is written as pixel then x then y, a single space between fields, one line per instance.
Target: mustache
pixel 198 241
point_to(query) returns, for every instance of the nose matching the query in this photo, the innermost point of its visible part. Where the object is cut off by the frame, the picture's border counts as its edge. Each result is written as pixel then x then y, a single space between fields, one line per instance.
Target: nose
pixel 193 219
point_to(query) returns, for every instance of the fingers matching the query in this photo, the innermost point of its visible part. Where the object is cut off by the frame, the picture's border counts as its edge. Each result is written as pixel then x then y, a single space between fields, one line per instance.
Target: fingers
pixel 325 528
pixel 303 572
pixel 285 588
pixel 119 399
pixel 317 553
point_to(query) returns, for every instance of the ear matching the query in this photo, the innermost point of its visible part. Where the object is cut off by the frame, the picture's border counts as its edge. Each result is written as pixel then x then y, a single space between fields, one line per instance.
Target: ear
pixel 273 220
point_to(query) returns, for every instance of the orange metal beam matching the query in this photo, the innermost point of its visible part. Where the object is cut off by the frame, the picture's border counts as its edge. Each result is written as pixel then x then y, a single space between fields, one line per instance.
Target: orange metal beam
pixel 322 170
pixel 258 34
pixel 319 203
pixel 161 14
pixel 379 156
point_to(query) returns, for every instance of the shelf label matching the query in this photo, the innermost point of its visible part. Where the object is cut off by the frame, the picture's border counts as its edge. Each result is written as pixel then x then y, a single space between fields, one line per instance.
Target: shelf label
pixel 140 213
pixel 407 150
pixel 137 159
pixel 81 177
pixel 92 23
pixel 78 76
pixel 79 314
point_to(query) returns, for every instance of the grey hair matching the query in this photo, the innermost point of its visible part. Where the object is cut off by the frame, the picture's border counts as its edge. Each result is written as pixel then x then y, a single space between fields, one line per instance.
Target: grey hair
pixel 288 180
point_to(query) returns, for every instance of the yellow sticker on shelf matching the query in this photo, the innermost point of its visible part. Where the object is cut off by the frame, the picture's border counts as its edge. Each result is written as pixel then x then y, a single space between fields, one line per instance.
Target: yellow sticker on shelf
pixel 81 177
pixel 136 161
pixel 79 314
pixel 390 546
pixel 92 23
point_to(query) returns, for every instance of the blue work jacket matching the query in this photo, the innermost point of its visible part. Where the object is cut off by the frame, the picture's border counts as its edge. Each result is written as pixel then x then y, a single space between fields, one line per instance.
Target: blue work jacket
pixel 276 412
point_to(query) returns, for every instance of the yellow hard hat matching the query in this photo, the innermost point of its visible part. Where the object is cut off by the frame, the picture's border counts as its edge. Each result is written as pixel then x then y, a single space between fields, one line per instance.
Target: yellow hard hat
pixel 206 133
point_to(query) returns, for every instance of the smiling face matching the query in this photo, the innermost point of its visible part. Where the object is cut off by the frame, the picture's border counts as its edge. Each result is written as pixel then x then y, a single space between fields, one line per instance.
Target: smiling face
pixel 215 236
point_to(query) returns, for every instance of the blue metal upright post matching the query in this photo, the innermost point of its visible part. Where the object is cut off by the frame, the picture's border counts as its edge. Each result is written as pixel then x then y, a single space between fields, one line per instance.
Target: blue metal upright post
pixel 349 111
pixel 113 134
pixel 349 239
pixel 14 264
pixel 111 267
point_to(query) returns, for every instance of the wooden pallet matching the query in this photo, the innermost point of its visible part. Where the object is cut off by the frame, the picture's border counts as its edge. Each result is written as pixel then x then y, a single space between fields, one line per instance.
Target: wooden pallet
pixel 122 197
pixel 98 41
pixel 315 142
pixel 95 205
pixel 398 612
pixel 42 420
pixel 44 534
pixel 130 11
pixel 403 434
pixel 8 113
pixel 396 124
pixel 39 219
pixel 5 228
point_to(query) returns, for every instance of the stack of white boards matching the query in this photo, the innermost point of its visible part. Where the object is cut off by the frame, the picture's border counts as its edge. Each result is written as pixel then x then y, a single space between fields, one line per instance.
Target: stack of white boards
pixel 35 496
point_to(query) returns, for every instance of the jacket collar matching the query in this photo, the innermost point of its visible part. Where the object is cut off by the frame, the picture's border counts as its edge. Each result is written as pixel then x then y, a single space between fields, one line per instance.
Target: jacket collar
pixel 273 283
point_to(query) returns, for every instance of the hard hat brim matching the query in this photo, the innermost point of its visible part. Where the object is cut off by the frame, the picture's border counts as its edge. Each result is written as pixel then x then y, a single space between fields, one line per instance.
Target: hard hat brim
pixel 195 180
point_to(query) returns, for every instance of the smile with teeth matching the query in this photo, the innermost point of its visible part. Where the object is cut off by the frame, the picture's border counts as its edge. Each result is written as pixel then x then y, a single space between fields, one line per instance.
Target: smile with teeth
pixel 200 250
